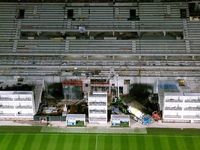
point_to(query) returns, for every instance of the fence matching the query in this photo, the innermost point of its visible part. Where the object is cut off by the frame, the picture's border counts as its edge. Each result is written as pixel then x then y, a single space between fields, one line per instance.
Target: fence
pixel 50 118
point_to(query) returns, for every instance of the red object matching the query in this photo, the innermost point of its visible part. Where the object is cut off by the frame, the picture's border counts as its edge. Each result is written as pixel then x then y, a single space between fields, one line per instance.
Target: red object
pixel 72 83
pixel 156 116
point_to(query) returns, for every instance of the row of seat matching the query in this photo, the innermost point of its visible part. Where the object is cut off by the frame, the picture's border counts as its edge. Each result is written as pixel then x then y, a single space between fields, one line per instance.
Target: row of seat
pixel 100 45
pixel 40 46
pixel 7 21
pixel 193 29
pixel 160 46
pixel 48 61
pixel 6 46
pixel 39 15
pixel 138 46
pixel 195 46
pixel 53 16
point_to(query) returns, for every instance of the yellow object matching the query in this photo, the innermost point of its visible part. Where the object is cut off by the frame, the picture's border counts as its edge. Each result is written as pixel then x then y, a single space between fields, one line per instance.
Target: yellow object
pixel 181 82
pixel 57 39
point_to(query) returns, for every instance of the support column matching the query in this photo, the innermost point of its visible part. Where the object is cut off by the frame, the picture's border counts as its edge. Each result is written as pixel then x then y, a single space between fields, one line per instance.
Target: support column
pixel 113 33
pixel 38 33
pixel 164 33
pixel 88 33
pixel 193 57
pixel 138 33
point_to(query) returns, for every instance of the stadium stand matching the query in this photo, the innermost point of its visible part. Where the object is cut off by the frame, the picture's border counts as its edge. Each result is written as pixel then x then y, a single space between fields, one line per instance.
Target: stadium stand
pixel 78 33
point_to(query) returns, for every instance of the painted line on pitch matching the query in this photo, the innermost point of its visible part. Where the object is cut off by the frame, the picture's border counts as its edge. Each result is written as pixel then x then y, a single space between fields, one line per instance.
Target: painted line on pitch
pixel 99 134
pixel 96 146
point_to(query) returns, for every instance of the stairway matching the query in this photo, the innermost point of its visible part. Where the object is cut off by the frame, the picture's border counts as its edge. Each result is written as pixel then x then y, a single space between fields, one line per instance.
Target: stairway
pixel 69 24
pixel 133 46
pixel 186 37
pixel 66 45
pixel 17 35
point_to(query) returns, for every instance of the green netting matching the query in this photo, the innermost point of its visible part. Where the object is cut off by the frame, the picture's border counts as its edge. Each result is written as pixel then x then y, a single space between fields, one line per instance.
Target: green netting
pixel 72 92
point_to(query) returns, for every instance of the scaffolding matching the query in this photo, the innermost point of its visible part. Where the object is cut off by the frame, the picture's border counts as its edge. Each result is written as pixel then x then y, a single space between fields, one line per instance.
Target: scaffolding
pixel 73 89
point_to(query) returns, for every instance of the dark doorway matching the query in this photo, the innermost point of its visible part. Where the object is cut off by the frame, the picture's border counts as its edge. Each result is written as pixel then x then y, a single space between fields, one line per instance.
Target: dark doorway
pixel 194 9
pixel 132 13
pixel 121 90
pixel 21 14
pixel 70 13
pixel 183 13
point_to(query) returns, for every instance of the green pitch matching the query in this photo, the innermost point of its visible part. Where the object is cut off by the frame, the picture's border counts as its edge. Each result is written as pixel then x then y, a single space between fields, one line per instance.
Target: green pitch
pixel 30 138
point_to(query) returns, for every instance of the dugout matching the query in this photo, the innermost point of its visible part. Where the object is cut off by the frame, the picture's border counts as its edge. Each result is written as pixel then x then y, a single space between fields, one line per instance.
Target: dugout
pixel 75 120
pixel 120 120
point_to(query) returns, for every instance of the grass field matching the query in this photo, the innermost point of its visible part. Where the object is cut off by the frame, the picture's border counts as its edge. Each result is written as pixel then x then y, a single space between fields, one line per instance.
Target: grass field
pixel 30 138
